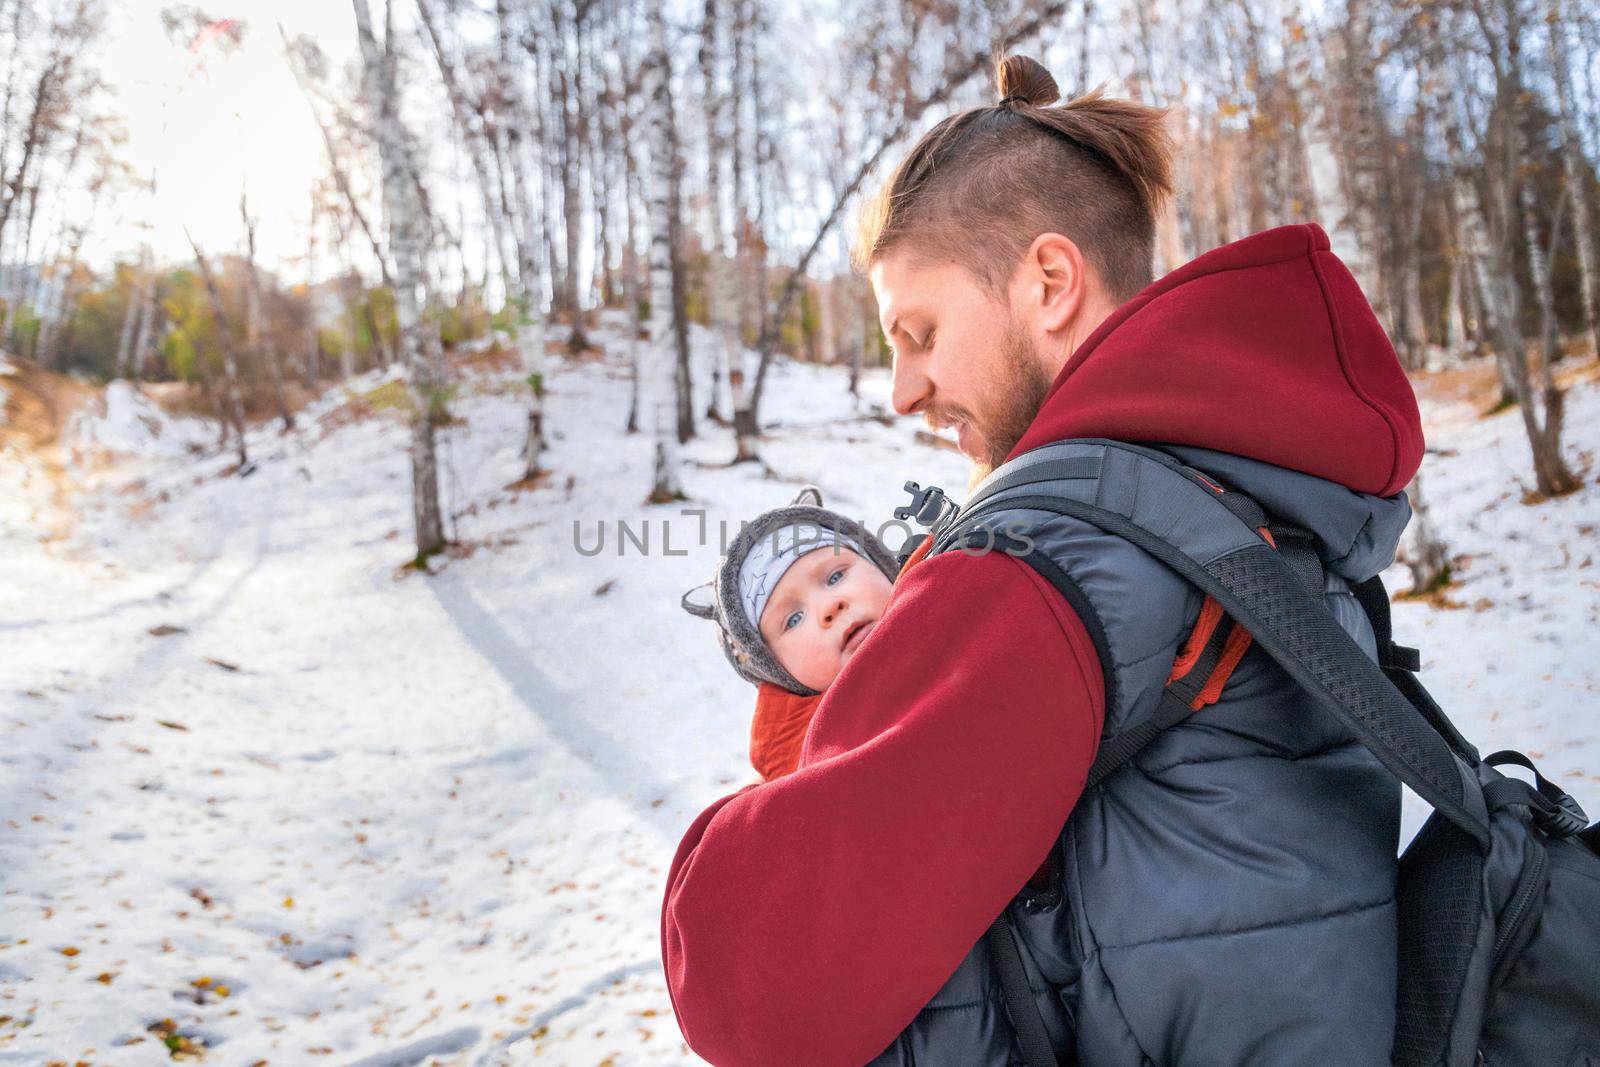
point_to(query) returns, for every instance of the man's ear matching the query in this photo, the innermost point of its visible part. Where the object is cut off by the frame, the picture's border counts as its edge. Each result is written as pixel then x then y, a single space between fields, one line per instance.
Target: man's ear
pixel 1057 282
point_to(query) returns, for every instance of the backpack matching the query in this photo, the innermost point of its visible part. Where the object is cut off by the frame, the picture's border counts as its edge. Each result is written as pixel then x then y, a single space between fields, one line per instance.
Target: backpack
pixel 1498 894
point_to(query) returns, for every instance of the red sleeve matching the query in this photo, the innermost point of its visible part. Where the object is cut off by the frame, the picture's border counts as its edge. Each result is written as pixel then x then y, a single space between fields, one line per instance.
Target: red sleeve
pixel 809 919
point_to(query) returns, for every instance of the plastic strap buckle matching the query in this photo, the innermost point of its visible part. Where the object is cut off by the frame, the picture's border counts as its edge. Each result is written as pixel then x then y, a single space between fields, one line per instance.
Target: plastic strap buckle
pixel 928 508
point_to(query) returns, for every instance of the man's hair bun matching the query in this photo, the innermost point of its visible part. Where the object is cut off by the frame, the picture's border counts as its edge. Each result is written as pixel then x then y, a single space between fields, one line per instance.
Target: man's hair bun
pixel 1025 80
pixel 983 183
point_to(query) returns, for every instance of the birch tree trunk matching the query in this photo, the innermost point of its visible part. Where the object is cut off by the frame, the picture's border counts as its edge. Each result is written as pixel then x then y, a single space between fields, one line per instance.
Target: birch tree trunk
pixel 232 401
pixel 665 485
pixel 254 335
pixel 858 345
pixel 1322 172
pixel 735 277
pixel 416 341
pixel 717 293
pixel 1256 196
pixel 140 353
pixel 1411 329
pixel 347 354
pixel 470 127
pixel 1497 301
pixel 615 146
pixel 14 58
pixel 1541 409
pixel 741 186
pixel 1455 318
pixel 1423 552
pixel 348 295
pixel 761 172
pixel 684 393
pixel 828 339
pixel 130 315
pixel 530 283
pixel 63 303
pixel 1499 309
pixel 22 296
pixel 630 264
pixel 571 196
pixel 1575 168
pixel 39 130
pixel 313 357
pixel 1364 142
pixel 1539 272
pixel 595 146
pixel 1543 405
pixel 542 131
pixel 60 298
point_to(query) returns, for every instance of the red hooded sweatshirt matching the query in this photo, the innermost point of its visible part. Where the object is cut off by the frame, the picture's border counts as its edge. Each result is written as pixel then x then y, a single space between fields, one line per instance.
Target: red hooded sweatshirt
pixel 808 919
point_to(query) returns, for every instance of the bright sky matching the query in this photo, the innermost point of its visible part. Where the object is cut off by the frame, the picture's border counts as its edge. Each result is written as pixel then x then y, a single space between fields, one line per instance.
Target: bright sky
pixel 234 121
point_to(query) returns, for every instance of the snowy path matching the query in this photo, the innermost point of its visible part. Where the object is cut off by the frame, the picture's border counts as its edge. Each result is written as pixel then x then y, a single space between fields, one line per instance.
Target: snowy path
pixel 394 818
pixel 401 819
pixel 352 831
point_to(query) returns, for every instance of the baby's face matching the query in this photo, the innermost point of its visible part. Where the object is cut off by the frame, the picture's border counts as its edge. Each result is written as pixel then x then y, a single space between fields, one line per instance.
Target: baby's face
pixel 824 606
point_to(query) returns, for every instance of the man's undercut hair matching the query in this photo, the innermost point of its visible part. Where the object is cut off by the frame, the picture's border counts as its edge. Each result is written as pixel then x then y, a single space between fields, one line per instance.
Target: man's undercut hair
pixel 980 186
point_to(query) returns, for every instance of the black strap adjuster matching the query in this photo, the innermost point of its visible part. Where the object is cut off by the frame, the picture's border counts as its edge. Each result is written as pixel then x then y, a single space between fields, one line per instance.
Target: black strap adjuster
pixel 1554 809
pixel 1402 658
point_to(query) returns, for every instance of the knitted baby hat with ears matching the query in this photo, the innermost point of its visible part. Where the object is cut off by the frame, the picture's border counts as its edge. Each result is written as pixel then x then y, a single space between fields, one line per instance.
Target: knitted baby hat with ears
pixel 721 602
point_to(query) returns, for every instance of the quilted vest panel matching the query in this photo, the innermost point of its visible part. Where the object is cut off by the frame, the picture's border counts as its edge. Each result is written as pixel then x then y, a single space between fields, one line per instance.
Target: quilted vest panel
pixel 1228 897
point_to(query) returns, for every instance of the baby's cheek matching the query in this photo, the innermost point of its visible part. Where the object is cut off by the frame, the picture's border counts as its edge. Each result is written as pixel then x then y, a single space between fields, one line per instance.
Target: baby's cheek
pixel 809 658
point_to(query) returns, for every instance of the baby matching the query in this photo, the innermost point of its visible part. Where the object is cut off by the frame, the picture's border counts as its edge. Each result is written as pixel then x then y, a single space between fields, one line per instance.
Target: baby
pixel 794 597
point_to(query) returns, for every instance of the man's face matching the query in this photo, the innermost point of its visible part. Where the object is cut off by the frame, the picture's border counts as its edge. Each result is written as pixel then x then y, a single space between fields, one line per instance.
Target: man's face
pixel 961 358
pixel 823 607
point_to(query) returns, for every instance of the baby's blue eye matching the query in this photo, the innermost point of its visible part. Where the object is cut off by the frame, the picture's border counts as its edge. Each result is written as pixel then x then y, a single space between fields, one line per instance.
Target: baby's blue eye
pixel 836 575
pixel 792 621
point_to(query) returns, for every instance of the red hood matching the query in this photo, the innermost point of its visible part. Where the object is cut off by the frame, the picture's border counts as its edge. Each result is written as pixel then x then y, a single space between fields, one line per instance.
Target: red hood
pixel 1264 348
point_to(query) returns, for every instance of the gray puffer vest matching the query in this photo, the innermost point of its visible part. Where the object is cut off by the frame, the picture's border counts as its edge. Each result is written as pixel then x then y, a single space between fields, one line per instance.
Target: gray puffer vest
pixel 1228 897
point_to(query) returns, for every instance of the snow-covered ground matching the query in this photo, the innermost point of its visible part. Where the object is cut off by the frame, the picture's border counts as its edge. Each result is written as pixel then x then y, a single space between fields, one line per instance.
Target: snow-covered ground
pixel 1510 651
pixel 264 788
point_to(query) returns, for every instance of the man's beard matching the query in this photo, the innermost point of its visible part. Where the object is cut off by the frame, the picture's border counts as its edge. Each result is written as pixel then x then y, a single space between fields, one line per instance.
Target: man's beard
pixel 1020 389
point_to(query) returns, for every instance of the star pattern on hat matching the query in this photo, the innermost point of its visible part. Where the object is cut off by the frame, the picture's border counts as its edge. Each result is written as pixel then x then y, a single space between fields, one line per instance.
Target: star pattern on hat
pixel 756 589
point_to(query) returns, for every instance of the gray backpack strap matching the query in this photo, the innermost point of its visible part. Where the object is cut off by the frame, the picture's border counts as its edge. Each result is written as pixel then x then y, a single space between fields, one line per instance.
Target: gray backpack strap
pixel 1180 518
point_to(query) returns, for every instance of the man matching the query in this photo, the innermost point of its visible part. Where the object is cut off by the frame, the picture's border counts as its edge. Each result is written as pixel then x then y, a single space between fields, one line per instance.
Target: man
pixel 1229 899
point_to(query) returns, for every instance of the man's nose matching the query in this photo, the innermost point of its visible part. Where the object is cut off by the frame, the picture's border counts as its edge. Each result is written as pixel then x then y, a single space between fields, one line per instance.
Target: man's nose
pixel 911 387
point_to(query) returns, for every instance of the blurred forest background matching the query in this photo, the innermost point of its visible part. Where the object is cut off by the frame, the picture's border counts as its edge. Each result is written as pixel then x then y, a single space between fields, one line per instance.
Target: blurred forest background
pixel 512 164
